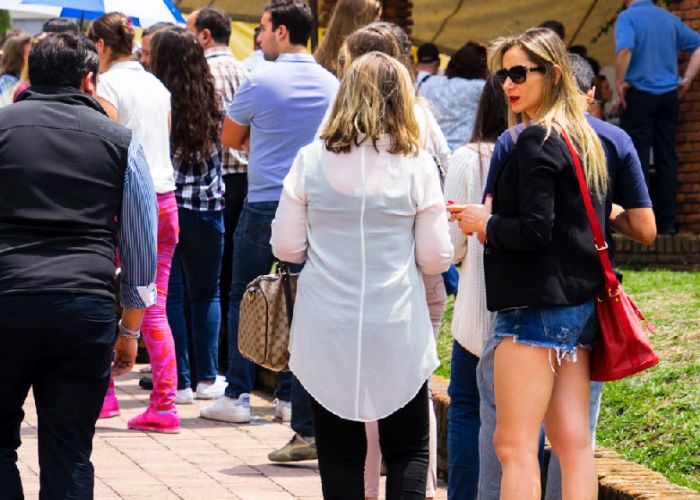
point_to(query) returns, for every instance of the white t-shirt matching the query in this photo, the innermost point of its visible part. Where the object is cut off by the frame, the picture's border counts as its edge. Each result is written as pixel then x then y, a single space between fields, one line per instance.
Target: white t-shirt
pixel 143 105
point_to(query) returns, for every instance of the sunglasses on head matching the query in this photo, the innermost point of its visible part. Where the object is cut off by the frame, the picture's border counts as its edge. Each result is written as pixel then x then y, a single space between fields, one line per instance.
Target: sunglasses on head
pixel 517 74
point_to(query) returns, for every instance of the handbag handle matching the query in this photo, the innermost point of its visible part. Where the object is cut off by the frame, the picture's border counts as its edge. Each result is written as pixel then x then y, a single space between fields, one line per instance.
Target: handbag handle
pixel 283 270
pixel 611 282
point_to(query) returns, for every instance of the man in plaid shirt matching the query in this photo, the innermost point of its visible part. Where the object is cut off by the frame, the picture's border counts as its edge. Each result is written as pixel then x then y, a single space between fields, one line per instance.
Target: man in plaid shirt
pixel 213 30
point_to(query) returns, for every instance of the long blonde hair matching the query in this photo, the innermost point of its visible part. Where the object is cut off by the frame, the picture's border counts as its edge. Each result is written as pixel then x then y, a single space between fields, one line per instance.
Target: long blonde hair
pixel 376 97
pixel 348 15
pixel 560 99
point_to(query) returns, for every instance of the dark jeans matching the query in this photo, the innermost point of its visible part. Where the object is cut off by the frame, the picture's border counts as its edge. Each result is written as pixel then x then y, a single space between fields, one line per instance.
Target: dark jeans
pixel 463 426
pixel 651 121
pixel 236 190
pixel 195 278
pixel 61 345
pixel 403 439
pixel 252 257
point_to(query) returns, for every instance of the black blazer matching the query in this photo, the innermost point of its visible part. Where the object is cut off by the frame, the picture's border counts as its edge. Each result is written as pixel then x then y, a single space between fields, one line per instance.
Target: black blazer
pixel 540 250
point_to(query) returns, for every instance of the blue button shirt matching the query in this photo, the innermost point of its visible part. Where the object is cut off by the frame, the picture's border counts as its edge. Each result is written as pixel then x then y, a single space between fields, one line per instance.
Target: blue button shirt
pixel 655 37
pixel 283 103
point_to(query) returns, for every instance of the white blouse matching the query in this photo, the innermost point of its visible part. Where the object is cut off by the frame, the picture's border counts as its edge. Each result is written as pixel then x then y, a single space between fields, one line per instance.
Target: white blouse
pixel 364 222
pixel 471 322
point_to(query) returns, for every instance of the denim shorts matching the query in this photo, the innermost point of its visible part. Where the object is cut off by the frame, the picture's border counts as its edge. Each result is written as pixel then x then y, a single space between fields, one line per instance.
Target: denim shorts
pixel 561 328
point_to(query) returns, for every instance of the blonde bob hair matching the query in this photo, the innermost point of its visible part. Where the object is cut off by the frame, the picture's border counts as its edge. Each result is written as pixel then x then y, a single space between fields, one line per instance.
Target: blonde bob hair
pixel 561 99
pixel 376 98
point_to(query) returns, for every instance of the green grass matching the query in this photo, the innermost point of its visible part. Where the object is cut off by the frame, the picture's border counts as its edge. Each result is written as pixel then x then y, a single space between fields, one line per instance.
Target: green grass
pixel 652 418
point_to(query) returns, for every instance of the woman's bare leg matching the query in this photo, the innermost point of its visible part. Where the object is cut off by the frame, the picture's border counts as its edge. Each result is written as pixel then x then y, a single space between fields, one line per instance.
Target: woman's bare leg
pixel 523 385
pixel 567 428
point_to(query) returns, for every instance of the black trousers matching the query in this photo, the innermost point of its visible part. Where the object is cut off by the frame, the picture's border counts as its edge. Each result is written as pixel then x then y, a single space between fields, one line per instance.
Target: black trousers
pixel 651 121
pixel 61 345
pixel 403 438
pixel 236 192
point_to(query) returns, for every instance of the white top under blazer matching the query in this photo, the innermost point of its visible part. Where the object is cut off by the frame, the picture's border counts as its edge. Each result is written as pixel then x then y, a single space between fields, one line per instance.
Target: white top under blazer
pixel 366 223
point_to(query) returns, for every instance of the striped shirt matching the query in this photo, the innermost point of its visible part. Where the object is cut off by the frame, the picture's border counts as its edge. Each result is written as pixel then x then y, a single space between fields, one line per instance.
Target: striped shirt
pixel 200 186
pixel 138 230
pixel 228 75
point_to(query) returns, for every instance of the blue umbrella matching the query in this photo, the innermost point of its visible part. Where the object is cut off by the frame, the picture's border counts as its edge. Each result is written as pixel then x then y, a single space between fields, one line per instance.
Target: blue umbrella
pixel 142 12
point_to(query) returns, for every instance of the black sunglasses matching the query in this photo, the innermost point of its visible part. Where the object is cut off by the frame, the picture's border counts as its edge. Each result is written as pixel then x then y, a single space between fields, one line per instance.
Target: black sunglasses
pixel 517 74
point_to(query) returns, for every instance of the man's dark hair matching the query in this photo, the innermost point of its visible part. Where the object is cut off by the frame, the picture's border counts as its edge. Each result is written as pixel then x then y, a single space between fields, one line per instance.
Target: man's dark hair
pixel 555 26
pixel 62 60
pixel 594 64
pixel 60 25
pixel 468 62
pixel 583 72
pixel 581 50
pixel 153 28
pixel 216 21
pixel 428 53
pixel 293 14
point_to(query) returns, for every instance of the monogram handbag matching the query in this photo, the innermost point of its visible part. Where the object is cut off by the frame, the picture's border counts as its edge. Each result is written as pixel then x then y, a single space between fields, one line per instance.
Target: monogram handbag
pixel 266 317
pixel 622 348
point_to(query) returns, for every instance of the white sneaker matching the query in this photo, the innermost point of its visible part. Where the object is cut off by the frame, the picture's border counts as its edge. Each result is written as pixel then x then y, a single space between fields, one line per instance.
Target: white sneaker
pixel 184 397
pixel 227 409
pixel 212 391
pixel 283 410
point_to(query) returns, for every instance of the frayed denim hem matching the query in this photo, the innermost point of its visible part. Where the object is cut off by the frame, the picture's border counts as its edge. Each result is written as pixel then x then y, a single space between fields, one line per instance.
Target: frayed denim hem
pixel 561 352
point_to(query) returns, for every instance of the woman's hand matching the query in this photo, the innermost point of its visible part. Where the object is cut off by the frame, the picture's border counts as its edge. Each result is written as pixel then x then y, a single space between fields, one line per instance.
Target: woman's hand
pixel 473 218
pixel 124 355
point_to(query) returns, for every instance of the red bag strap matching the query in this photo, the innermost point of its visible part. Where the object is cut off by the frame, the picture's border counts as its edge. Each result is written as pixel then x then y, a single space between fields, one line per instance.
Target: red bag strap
pixel 611 281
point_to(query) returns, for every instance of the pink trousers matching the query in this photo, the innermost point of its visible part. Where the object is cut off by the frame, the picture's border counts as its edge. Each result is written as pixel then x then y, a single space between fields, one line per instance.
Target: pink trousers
pixel 155 328
pixel 436 298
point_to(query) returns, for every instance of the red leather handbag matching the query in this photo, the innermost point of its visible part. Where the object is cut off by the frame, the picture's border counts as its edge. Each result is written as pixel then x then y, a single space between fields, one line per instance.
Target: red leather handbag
pixel 622 348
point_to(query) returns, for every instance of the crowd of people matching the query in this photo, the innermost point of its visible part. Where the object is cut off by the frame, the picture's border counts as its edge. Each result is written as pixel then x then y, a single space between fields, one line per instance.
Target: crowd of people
pixel 370 173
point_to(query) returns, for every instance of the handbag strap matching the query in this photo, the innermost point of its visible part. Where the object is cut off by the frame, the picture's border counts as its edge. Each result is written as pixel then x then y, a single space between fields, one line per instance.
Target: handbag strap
pixel 283 270
pixel 611 281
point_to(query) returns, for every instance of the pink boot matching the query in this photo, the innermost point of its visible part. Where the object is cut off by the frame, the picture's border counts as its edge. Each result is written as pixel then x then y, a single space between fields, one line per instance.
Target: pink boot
pixel 166 421
pixel 110 406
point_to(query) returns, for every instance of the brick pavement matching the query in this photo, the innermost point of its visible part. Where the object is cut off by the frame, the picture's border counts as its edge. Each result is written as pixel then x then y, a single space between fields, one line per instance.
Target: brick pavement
pixel 207 460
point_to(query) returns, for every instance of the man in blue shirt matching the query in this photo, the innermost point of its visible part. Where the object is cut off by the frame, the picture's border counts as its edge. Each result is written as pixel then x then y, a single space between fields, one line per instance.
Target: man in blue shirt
pixel 648 40
pixel 274 113
pixel 628 209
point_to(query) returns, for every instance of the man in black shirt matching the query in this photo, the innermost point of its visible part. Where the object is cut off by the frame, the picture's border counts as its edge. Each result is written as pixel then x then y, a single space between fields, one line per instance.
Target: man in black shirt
pixel 70 180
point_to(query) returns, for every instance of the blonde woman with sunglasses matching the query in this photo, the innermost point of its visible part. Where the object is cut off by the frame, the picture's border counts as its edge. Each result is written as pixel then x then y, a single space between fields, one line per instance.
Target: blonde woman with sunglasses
pixel 541 268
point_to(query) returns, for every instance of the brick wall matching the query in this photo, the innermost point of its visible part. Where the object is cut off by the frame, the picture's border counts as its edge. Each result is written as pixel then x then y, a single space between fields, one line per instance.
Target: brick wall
pixel 679 252
pixel 688 139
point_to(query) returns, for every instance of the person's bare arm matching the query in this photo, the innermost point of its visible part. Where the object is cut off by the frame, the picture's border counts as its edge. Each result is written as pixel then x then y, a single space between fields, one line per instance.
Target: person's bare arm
pixel 637 224
pixel 234 135
pixel 109 108
pixel 690 72
pixel 621 66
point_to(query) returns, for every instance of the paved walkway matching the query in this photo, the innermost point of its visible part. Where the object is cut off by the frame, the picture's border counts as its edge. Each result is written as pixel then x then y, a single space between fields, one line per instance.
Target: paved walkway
pixel 206 460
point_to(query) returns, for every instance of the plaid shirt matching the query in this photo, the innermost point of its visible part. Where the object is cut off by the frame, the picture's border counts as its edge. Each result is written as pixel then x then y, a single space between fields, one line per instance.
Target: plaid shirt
pixel 228 74
pixel 200 186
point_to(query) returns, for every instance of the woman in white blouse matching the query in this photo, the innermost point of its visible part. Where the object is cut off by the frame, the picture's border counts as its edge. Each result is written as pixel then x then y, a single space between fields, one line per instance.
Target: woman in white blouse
pixel 471 322
pixel 363 208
